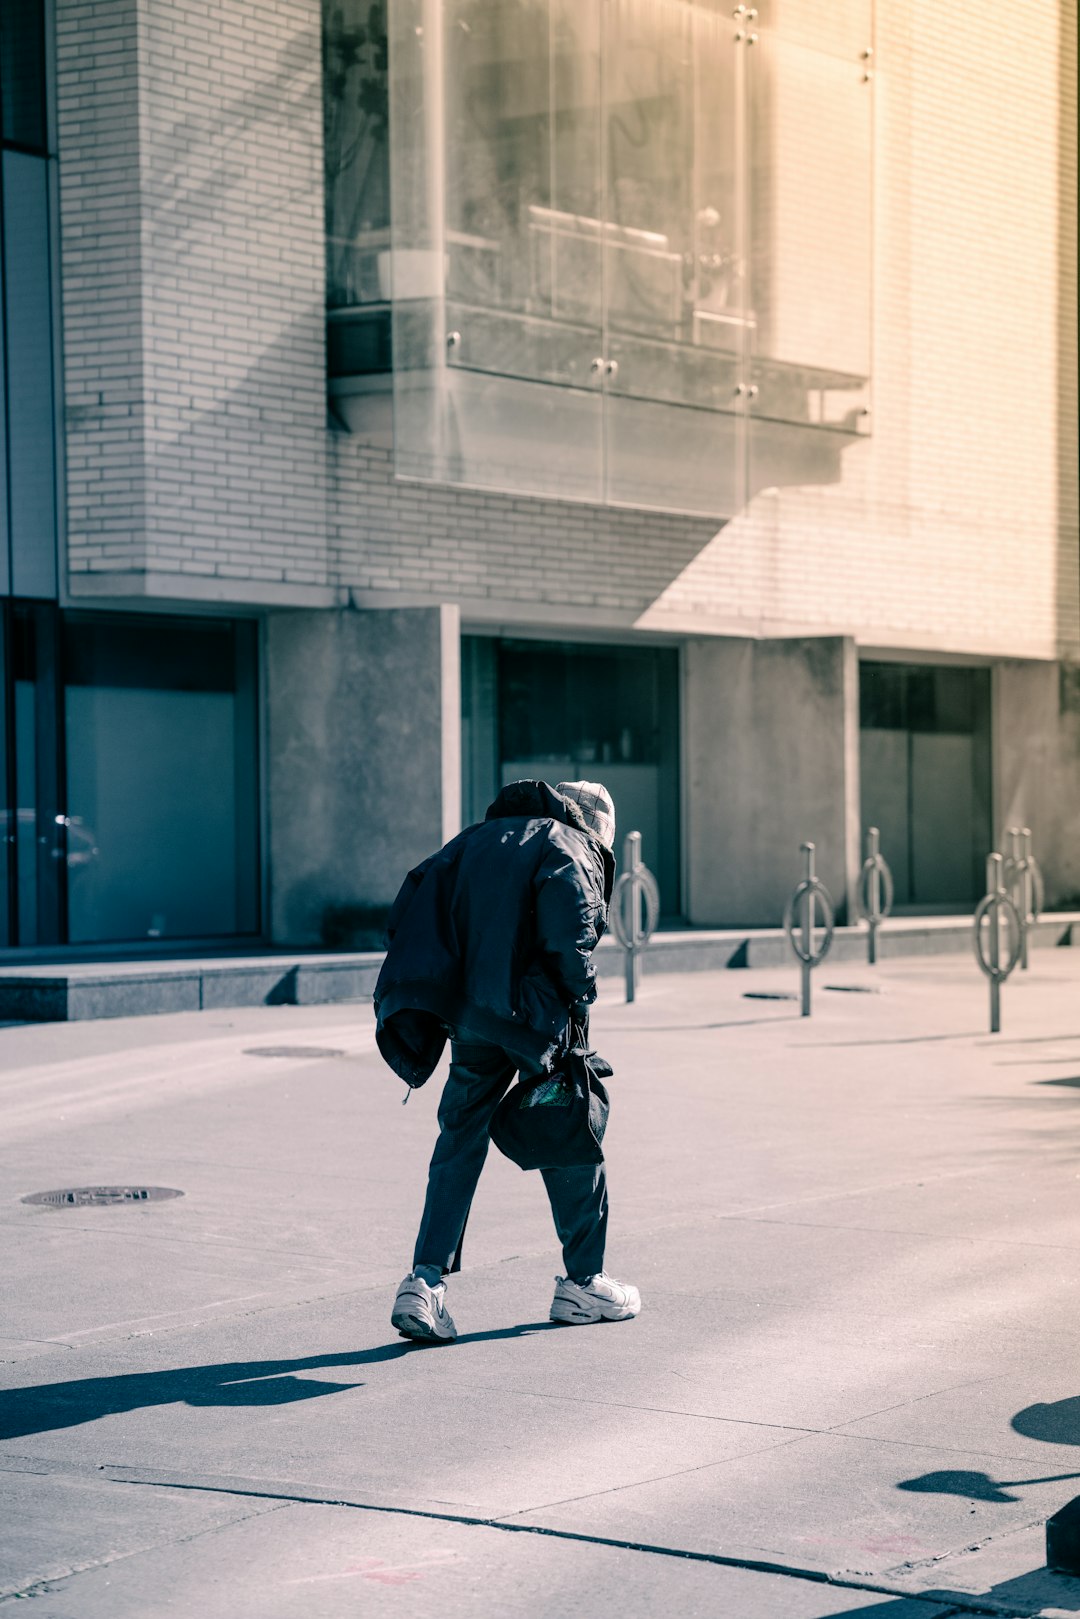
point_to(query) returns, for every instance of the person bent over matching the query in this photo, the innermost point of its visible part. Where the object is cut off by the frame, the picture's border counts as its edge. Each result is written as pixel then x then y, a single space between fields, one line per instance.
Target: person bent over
pixel 490 942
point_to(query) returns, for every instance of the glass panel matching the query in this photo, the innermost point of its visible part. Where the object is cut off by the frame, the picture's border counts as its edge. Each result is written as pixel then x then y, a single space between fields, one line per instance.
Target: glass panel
pixel 809 120
pixel 783 456
pixel 479 726
pixel 673 457
pixel 31 416
pixel 357 153
pixel 496 243
pixel 925 772
pixel 674 303
pixel 568 713
pixel 885 794
pixel 161 780
pixel 36 822
pixel 5 536
pixel 841 28
pixel 943 799
pixel 7 819
pixel 22 71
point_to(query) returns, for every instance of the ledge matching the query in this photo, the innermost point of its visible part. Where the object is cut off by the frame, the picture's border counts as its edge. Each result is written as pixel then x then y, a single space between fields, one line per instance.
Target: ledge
pixel 73 991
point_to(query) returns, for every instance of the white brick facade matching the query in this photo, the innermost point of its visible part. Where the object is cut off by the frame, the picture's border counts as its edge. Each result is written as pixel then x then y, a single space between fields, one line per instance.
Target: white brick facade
pixel 954 528
pixel 193 282
pixel 193 305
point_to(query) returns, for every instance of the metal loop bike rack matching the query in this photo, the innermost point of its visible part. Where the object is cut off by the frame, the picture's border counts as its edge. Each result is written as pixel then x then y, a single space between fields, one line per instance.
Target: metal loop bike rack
pixel 876 891
pixel 996 908
pixel 800 922
pixel 1023 881
pixel 635 909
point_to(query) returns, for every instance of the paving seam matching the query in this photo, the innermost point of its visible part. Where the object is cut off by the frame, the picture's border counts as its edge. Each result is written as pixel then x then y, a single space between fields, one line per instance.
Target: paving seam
pixel 959 1603
pixel 43 1586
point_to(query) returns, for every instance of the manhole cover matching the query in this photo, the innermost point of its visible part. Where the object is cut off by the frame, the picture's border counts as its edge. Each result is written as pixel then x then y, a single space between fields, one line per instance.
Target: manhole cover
pixel 293 1051
pixel 70 1197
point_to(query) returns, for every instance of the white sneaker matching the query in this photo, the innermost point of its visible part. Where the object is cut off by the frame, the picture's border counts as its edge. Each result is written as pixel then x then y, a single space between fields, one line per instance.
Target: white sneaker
pixel 420 1312
pixel 601 1298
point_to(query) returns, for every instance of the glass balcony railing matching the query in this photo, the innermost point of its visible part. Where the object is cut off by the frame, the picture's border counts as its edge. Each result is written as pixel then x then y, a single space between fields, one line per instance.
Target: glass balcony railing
pixel 610 251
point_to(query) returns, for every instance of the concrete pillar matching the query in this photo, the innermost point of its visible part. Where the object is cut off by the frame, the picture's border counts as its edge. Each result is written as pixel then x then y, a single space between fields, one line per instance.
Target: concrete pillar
pixel 1037 766
pixel 363 714
pixel 771 734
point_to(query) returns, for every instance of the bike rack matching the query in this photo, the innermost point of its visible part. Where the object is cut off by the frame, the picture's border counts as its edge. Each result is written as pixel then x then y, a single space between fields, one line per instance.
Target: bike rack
pixel 995 908
pixel 635 909
pixel 1023 880
pixel 800 922
pixel 876 891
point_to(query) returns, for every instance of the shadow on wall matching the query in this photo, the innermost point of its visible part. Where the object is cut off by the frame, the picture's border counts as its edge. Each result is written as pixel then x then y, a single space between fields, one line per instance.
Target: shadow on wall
pixel 235 447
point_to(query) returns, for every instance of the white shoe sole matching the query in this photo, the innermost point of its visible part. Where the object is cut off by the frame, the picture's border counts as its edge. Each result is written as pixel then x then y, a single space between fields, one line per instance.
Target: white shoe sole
pixel 414 1326
pixel 414 1317
pixel 572 1314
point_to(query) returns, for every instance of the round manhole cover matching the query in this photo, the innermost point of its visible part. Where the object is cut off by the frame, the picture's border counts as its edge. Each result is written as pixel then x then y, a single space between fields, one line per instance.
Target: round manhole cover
pixel 293 1051
pixel 71 1197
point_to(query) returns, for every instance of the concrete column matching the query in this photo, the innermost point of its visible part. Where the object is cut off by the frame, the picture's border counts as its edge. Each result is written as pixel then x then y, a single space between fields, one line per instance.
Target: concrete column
pixel 1036 751
pixel 364 763
pixel 771 733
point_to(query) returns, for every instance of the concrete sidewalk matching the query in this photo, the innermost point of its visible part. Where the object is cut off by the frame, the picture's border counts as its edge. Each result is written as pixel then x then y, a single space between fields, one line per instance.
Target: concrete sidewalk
pixel 854 1387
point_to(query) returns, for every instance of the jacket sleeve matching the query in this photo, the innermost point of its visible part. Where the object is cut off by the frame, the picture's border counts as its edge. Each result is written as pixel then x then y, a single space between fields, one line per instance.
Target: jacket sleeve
pixel 405 898
pixel 569 921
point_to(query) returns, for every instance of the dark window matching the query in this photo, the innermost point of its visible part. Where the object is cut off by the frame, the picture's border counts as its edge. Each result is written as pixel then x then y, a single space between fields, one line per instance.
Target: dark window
pixel 161 779
pixel 925 752
pixel 22 73
pixel 568 712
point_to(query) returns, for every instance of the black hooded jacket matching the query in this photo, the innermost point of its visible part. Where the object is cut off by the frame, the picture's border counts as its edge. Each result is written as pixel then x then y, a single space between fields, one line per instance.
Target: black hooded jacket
pixel 494 934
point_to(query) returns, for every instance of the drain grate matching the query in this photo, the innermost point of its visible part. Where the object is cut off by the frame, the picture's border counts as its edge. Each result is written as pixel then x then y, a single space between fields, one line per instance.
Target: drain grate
pixel 72 1197
pixel 853 989
pixel 769 995
pixel 294 1051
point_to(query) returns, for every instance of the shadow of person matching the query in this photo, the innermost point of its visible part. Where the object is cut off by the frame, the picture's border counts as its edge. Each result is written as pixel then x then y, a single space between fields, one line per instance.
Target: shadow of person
pixel 44 1407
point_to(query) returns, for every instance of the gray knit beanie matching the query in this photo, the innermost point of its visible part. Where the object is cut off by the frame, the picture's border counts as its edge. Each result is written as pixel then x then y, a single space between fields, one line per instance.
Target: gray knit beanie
pixel 594 802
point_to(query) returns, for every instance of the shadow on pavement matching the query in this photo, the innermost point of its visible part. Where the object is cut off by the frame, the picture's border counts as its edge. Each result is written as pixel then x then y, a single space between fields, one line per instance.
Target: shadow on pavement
pixel 1028 1594
pixel 44 1407
pixel 1055 1422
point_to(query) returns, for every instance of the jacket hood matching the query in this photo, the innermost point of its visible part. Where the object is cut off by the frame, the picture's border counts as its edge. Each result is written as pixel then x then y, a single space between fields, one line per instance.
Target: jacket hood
pixel 531 799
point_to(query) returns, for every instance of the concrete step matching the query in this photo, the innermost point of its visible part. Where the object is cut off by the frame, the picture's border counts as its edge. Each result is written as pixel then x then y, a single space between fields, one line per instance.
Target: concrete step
pixel 67 992
pixel 701 950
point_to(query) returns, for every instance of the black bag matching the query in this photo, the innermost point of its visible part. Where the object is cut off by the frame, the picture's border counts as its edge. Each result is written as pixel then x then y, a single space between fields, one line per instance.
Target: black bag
pixel 556 1120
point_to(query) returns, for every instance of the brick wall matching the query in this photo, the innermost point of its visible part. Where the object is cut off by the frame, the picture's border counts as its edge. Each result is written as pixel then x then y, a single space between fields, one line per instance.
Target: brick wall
pixel 97 65
pixel 192 255
pixel 193 310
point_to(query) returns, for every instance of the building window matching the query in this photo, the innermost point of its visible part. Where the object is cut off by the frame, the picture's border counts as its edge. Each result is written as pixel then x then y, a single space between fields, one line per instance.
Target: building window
pixel 22 74
pixel 537 711
pixel 161 779
pixel 925 773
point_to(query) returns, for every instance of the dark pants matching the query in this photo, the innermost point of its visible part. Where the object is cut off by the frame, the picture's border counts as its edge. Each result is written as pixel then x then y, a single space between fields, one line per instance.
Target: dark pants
pixel 479 1076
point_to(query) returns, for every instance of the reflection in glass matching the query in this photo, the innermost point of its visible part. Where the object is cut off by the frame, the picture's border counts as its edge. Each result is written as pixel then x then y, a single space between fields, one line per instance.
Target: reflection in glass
pixel 607 714
pixel 625 203
pixel 357 153
pixel 810 234
pixel 160 723
pixel 925 773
